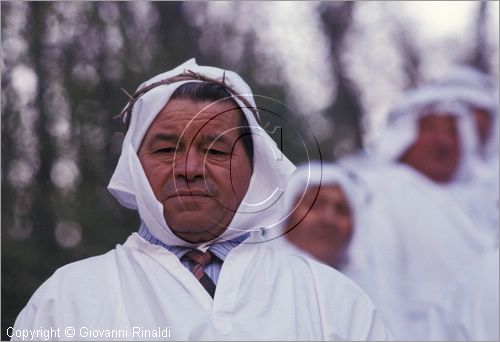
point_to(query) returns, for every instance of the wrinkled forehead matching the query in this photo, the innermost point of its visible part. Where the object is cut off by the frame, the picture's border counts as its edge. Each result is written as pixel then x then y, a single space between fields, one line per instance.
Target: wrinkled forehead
pixel 437 117
pixel 188 116
pixel 314 192
pixel 152 102
pixel 330 194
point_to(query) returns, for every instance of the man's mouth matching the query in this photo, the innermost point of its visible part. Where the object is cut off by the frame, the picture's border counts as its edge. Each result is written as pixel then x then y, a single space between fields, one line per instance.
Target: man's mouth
pixel 189 193
pixel 441 155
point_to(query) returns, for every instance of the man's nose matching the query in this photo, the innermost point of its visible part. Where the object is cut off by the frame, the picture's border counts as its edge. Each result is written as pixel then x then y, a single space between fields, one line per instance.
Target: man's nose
pixel 329 216
pixel 189 166
pixel 444 139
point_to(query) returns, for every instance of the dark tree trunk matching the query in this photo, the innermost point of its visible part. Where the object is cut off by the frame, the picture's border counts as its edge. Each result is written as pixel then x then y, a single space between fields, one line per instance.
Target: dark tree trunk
pixel 480 53
pixel 346 112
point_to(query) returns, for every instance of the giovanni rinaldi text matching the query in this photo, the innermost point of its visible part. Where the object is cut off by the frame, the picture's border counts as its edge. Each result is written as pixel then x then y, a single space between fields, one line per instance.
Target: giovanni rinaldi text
pixel 76 333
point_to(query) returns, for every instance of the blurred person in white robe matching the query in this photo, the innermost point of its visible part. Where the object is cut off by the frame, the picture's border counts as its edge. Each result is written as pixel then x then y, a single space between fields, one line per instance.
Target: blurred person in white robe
pixel 319 206
pixel 329 217
pixel 426 236
pixel 204 178
pixel 469 308
pixel 478 92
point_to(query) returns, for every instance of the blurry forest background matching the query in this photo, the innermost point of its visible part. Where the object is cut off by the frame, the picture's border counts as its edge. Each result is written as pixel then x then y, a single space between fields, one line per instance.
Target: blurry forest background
pixel 337 65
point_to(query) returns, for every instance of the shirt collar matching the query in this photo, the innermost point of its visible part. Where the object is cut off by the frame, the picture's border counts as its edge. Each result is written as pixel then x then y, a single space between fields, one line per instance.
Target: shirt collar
pixel 220 249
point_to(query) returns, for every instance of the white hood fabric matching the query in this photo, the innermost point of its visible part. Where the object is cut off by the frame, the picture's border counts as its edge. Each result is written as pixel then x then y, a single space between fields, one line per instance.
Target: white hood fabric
pixel 262 205
pixel 465 75
pixel 316 173
pixel 474 89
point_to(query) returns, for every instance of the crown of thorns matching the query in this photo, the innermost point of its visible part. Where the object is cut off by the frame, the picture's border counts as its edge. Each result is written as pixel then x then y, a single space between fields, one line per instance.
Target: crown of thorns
pixel 126 113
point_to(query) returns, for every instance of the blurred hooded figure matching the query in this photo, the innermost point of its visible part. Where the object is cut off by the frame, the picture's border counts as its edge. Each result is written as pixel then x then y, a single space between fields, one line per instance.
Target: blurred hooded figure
pixel 204 178
pixel 426 236
pixel 321 203
pixel 469 308
pixel 329 218
pixel 320 214
pixel 478 93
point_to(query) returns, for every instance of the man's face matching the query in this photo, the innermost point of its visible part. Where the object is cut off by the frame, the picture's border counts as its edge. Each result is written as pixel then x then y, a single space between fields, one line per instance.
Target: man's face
pixel 197 167
pixel 436 152
pixel 326 226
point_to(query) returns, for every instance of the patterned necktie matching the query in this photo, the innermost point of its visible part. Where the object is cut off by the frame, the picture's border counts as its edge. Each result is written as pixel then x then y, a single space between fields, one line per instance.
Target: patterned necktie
pixel 201 260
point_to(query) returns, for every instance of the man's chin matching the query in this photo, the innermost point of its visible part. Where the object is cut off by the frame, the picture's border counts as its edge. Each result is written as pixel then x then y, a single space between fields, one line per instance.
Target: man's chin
pixel 441 176
pixel 189 226
pixel 197 234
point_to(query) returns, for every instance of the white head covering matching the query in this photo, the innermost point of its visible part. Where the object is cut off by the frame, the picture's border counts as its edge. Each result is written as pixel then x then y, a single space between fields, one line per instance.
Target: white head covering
pixel 260 208
pixel 466 76
pixel 475 89
pixel 311 175
pixel 402 126
pixel 316 173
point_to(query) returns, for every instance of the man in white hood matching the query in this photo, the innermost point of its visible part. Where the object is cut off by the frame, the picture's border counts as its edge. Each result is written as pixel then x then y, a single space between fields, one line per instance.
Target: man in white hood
pixel 478 93
pixel 322 208
pixel 422 237
pixel 328 216
pixel 205 180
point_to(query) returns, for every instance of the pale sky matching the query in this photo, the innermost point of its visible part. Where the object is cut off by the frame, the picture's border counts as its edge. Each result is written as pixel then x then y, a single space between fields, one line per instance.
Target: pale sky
pixel 430 16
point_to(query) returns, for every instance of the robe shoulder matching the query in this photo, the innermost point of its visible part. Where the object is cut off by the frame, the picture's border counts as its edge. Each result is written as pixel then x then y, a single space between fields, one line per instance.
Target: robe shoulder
pixel 316 272
pixel 335 294
pixel 84 281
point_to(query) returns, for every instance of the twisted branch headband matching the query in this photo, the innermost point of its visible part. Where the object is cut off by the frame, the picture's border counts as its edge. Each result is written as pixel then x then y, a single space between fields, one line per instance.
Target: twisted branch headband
pixel 126 113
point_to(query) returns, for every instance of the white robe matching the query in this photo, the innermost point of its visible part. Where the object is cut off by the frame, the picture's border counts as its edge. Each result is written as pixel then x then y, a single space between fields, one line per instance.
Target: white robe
pixel 421 235
pixel 420 241
pixel 262 294
pixel 469 309
pixel 479 200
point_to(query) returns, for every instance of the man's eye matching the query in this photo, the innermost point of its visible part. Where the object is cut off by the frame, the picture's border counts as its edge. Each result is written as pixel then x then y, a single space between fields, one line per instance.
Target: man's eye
pixel 343 210
pixel 216 152
pixel 166 150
